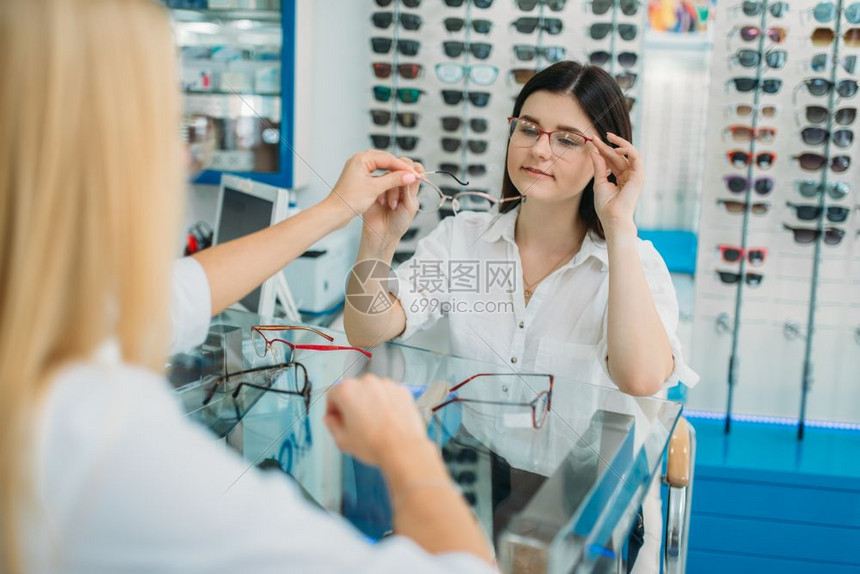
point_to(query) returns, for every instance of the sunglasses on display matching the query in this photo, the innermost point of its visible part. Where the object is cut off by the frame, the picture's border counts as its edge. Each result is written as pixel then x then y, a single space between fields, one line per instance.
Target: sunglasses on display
pixel 822 62
pixel 776 34
pixel 482 4
pixel 836 190
pixel 405 47
pixel 732 206
pixel 455 49
pixel 822 87
pixel 600 30
pixel 816 162
pixel 740 158
pixel 479 26
pixel 529 5
pixel 526 53
pixel 628 7
pixel 407 143
pixel 407 3
pixel 405 95
pixel 747 110
pixel 747 58
pixel 810 212
pixel 528 24
pixel 626 80
pixel 474 170
pixel 730 278
pixel 408 71
pixel 409 22
pixel 804 235
pixel 454 97
pixel 825 37
pixel 747 84
pixel 602 57
pixel 817 136
pixel 740 184
pixel 747 133
pixel 819 114
pixel 405 119
pixel 733 253
pixel 481 74
pixel 522 75
pixel 453 123
pixel 753 8
pixel 824 12
pixel 454 144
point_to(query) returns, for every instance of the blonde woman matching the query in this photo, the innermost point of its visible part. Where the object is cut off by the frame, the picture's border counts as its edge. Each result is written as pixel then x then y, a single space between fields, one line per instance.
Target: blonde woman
pixel 99 470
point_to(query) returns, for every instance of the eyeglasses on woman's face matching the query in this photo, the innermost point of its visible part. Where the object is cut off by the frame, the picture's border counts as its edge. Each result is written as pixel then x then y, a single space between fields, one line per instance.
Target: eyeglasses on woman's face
pixel 525 133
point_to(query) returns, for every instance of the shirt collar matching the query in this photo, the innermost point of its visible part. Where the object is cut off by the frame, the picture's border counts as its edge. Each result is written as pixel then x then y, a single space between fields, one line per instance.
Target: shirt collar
pixel 504 227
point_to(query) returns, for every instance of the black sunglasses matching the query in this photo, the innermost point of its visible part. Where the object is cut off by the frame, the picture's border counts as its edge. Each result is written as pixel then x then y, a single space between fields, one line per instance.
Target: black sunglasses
pixel 474 169
pixel 602 57
pixel 407 143
pixel 480 50
pixel 768 86
pixel 810 212
pixel 479 26
pixel 822 86
pixel 454 97
pixel 405 119
pixel 528 24
pixel 600 30
pixel 730 278
pixel 628 7
pixel 407 3
pixel 817 136
pixel 529 5
pixel 750 58
pixel 453 144
pixel 478 3
pixel 842 116
pixel 405 47
pixel 816 162
pixel 832 235
pixel 526 53
pixel 453 123
pixel 384 19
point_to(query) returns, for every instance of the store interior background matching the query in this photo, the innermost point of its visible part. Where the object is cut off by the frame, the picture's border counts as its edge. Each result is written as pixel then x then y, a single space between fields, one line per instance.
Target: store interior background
pixel 762 496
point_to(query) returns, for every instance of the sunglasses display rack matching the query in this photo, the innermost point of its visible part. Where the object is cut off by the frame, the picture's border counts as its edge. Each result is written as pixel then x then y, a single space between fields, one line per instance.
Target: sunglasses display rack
pixel 778 262
pixel 473 57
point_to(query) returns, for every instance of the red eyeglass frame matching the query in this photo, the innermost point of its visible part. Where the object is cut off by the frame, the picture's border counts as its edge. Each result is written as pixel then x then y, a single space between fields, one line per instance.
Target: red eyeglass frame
pixel 293 346
pixel 533 404
pixel 548 134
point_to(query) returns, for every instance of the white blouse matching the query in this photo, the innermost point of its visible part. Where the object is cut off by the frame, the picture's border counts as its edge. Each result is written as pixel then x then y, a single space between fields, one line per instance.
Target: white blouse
pixel 468 269
pixel 122 482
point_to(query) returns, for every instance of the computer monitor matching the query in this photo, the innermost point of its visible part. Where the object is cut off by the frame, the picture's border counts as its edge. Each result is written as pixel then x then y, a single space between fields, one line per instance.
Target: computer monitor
pixel 246 206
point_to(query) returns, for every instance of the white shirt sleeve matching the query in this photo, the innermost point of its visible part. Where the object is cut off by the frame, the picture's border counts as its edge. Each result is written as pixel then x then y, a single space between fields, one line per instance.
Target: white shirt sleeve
pixel 666 301
pixel 422 281
pixel 190 305
pixel 149 491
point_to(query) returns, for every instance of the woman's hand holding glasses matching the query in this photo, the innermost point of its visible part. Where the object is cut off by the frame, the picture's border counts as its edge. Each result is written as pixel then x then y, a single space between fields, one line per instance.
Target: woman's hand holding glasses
pixel 616 202
pixel 390 216
pixel 358 189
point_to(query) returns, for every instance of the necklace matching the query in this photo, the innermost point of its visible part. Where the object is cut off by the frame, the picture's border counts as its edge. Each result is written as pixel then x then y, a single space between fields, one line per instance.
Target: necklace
pixel 529 290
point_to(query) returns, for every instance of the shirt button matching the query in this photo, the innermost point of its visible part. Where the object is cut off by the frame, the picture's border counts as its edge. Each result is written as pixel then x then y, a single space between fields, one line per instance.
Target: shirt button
pixel 513 359
pixel 522 324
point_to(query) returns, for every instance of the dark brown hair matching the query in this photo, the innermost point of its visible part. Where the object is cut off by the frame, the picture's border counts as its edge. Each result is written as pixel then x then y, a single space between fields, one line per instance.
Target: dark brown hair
pixel 603 102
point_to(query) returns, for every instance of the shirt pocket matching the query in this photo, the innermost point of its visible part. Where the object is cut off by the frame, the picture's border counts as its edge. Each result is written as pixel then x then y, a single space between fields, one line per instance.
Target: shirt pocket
pixel 572 361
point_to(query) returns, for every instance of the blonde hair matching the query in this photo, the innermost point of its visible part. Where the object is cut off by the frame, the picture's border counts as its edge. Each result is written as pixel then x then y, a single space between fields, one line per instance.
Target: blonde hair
pixel 90 188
